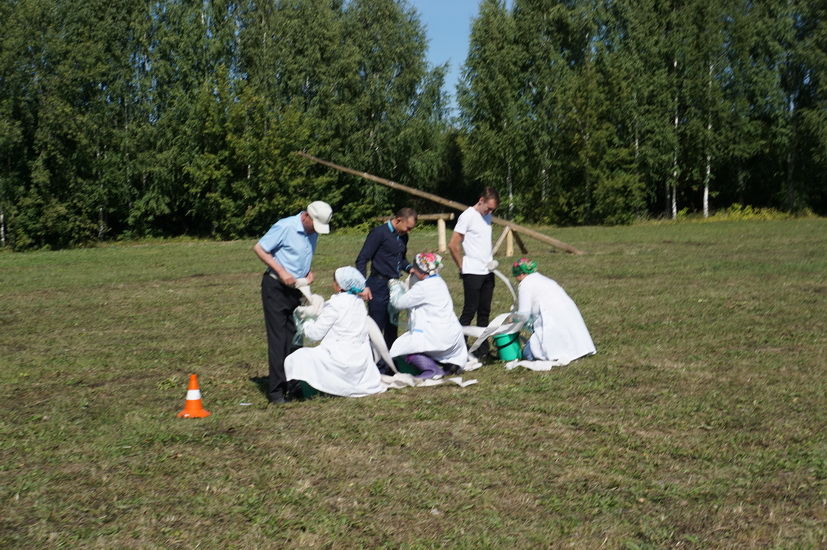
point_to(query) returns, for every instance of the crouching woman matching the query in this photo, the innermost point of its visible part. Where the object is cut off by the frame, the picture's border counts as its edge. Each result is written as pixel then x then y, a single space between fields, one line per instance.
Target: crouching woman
pixel 434 343
pixel 560 335
pixel 342 364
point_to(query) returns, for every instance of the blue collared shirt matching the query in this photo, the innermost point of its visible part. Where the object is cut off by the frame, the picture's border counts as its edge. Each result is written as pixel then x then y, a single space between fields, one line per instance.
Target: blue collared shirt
pixel 290 245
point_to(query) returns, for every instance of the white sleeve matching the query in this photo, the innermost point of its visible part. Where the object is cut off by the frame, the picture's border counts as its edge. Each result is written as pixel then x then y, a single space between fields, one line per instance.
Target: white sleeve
pixel 317 328
pixel 414 297
pixel 525 301
pixel 461 226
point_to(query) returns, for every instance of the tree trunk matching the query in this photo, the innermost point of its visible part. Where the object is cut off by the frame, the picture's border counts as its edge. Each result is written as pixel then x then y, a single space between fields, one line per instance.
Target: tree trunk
pixel 544 185
pixel 2 229
pixel 675 152
pixel 708 146
pixel 510 194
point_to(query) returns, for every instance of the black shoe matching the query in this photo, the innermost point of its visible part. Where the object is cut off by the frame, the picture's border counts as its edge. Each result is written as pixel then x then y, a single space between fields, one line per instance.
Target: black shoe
pixel 277 398
pixel 384 368
pixel 451 369
pixel 294 391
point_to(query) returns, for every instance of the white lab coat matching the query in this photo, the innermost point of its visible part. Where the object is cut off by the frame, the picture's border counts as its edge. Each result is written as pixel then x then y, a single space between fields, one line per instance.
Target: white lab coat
pixel 342 363
pixel 560 335
pixel 433 326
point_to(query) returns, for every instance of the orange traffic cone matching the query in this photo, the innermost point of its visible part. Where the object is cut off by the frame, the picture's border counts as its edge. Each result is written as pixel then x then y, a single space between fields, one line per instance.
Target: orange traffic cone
pixel 193 407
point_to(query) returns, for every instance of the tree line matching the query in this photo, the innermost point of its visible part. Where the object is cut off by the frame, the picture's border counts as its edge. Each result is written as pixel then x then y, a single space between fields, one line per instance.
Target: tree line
pixel 125 119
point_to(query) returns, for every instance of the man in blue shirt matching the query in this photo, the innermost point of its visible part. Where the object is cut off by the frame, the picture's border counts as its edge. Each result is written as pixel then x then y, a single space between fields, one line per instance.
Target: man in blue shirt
pixel 287 251
pixel 385 248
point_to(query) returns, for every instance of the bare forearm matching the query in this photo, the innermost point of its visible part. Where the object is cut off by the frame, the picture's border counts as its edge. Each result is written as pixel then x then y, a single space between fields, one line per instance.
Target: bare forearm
pixel 453 248
pixel 271 262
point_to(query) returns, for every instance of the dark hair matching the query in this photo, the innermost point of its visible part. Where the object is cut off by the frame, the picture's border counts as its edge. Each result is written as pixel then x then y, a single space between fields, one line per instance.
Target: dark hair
pixel 490 193
pixel 407 212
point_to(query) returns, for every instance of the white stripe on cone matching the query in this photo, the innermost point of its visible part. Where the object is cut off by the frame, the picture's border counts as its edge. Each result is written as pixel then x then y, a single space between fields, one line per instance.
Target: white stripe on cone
pixel 192 395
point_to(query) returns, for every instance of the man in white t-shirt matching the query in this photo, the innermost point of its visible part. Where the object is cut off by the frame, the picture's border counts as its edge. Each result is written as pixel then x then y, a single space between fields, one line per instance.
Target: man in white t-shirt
pixel 476 261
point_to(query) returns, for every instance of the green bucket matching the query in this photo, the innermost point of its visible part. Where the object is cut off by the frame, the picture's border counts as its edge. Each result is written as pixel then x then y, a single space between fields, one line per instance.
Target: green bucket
pixel 405 367
pixel 508 346
pixel 307 390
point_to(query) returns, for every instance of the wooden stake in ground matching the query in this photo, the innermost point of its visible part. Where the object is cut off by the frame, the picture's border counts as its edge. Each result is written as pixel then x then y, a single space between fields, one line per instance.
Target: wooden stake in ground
pixel 445 202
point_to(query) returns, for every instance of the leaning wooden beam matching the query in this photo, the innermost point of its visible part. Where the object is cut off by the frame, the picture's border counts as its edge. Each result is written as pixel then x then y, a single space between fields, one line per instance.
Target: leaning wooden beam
pixel 423 217
pixel 442 245
pixel 500 240
pixel 520 243
pixel 445 202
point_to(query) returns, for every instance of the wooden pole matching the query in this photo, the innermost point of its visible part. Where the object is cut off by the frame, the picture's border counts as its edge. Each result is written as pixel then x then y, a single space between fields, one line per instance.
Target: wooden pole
pixel 423 217
pixel 500 240
pixel 520 243
pixel 509 244
pixel 445 202
pixel 440 230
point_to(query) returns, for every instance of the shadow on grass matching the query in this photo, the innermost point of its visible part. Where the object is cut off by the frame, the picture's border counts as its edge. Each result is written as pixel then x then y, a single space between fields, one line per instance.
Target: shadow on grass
pixel 261 383
pixel 296 391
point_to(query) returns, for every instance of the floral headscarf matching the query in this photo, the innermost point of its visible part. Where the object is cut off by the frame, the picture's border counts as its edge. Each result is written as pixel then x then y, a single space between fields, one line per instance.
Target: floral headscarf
pixel 429 263
pixel 523 266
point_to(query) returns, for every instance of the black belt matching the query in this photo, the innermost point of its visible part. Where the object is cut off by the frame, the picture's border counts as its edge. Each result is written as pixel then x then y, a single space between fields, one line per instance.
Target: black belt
pixel 380 276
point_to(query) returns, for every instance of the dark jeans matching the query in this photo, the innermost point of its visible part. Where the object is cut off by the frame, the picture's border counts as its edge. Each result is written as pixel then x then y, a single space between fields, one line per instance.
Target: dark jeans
pixel 278 301
pixel 478 291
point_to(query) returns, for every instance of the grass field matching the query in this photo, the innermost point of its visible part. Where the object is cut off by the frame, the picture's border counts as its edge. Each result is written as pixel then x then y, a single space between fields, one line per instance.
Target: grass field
pixel 700 423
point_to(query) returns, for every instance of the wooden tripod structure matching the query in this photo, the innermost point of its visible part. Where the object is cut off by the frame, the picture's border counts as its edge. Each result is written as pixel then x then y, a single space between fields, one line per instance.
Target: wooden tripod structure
pixel 510 226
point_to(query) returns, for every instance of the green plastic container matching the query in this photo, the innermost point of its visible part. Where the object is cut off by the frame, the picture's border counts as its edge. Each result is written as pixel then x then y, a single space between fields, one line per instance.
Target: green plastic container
pixel 308 391
pixel 508 346
pixel 405 367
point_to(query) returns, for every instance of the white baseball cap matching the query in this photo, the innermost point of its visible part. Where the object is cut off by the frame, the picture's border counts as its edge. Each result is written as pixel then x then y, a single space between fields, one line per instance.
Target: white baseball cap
pixel 320 212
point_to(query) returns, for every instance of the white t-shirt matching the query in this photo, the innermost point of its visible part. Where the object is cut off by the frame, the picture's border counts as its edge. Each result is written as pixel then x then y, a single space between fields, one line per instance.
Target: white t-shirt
pixel 476 242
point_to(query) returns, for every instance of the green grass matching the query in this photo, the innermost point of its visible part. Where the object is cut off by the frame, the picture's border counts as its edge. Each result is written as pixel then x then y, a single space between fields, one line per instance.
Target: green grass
pixel 700 423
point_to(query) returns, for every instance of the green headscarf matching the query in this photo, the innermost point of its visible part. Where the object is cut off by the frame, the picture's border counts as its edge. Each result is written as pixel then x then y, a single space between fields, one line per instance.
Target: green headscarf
pixel 523 266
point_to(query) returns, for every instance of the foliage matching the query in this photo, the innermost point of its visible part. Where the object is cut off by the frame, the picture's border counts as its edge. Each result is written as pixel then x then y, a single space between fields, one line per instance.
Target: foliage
pixel 683 101
pixel 127 119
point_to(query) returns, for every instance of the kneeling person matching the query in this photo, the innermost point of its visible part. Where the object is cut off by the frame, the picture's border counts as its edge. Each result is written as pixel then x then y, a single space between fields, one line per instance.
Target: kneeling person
pixel 342 364
pixel 560 334
pixel 434 342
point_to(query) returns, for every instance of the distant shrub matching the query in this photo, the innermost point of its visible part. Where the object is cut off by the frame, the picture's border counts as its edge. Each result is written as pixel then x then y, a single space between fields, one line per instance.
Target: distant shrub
pixel 736 212
pixel 746 212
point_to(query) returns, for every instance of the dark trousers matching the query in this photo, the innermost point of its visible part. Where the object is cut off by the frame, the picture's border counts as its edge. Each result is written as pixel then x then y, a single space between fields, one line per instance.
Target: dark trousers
pixel 279 301
pixel 378 307
pixel 478 291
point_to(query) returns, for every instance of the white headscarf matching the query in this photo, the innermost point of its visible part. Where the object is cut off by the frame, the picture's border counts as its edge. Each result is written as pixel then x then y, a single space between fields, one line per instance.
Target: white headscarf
pixel 350 279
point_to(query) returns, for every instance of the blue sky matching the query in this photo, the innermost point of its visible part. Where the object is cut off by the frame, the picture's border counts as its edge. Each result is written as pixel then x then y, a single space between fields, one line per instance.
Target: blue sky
pixel 448 26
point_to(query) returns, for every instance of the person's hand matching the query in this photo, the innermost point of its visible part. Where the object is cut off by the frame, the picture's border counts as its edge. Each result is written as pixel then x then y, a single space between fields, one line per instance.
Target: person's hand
pixel 310 277
pixel 366 294
pixel 286 279
pixel 316 305
pixel 300 282
pixel 492 265
pixel 313 308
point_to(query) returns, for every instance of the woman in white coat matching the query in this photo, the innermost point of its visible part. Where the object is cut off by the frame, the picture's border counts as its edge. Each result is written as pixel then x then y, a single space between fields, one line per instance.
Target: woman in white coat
pixel 434 342
pixel 560 334
pixel 342 364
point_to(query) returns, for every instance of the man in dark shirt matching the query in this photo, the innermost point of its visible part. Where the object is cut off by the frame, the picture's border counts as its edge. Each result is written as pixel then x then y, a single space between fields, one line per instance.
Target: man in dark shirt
pixel 385 248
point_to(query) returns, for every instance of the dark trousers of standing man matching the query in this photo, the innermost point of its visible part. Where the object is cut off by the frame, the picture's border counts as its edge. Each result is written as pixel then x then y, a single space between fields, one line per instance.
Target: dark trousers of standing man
pixel 279 301
pixel 478 291
pixel 378 311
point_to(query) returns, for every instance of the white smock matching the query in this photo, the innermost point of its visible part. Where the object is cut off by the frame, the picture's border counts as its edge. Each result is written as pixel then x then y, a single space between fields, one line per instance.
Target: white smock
pixel 342 363
pixel 560 334
pixel 433 326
